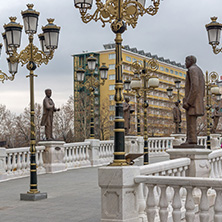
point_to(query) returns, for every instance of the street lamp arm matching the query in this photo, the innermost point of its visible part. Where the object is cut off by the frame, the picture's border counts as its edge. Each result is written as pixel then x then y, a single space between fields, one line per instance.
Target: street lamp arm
pixel 130 12
pixel 31 52
pixel 216 50
pixel 4 76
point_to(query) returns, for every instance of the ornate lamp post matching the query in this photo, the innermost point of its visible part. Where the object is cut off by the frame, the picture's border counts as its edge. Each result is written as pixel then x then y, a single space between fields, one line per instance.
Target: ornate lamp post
pixel 4 76
pixel 143 82
pixel 91 83
pixel 32 57
pixel 171 96
pixel 211 89
pixel 214 32
pixel 119 13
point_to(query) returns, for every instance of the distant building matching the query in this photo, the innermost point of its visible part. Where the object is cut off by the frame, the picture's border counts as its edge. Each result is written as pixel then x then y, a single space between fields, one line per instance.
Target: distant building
pixel 160 118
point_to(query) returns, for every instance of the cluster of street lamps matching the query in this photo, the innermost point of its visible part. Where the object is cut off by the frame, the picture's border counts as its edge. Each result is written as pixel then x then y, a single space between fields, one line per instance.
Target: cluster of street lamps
pixel 32 57
pixel 91 83
pixel 143 82
pixel 119 13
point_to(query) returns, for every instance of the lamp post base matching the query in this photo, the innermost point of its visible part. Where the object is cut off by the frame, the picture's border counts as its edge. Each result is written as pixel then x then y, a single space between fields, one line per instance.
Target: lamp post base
pixel 33 196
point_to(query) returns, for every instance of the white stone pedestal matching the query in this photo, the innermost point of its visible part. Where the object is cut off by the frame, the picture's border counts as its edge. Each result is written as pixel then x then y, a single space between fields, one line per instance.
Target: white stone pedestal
pixel 135 144
pixel 53 156
pixel 199 166
pixel 94 152
pixel 118 194
pixel 215 141
pixel 3 175
pixel 179 138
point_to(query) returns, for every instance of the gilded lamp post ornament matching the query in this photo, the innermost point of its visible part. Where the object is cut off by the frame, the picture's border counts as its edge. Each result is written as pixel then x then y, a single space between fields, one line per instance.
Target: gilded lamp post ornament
pixel 32 57
pixel 211 90
pixel 143 82
pixel 91 83
pixel 119 13
pixel 214 33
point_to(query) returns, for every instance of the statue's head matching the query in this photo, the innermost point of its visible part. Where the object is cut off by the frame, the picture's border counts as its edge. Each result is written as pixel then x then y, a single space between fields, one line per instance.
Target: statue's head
pixel 190 60
pixel 48 93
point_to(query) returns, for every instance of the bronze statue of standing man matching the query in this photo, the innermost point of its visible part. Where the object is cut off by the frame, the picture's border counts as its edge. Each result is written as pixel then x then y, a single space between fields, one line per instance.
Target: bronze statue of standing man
pixel 193 102
pixel 48 110
pixel 126 115
pixel 177 117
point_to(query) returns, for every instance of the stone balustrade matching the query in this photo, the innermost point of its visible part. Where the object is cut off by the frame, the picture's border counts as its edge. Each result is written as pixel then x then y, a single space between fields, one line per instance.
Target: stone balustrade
pixel 215 159
pixel 17 162
pixel 202 201
pixel 76 155
pixel 160 144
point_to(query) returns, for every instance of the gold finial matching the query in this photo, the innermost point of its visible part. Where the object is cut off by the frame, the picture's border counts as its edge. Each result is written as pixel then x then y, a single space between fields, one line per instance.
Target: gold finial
pixel 30 6
pixel 13 19
pixel 214 19
pixel 50 20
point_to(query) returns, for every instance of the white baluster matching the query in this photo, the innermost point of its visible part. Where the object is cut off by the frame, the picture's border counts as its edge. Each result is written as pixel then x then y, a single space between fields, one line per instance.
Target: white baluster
pixel 217 206
pixel 212 161
pixel 141 203
pixel 23 162
pixel 220 167
pixel 151 211
pixel 9 163
pixel 204 205
pixel 19 163
pixel 14 165
pixel 163 204
pixel 176 204
pixel 189 205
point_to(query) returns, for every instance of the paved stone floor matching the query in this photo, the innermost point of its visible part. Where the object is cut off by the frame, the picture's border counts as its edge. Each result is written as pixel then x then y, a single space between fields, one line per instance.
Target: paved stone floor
pixel 73 196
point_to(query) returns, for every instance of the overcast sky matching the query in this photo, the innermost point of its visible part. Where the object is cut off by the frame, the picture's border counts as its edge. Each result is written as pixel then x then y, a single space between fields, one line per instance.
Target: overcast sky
pixel 176 31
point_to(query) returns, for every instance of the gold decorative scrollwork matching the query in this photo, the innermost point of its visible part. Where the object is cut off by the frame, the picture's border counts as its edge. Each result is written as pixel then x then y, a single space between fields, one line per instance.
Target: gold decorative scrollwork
pixel 136 66
pixel 4 77
pixel 31 53
pixel 153 65
pixel 213 76
pixel 129 12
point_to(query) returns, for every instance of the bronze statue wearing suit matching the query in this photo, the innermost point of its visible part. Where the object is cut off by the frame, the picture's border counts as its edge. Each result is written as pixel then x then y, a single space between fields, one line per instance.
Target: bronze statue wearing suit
pixel 177 117
pixel 48 110
pixel 194 95
pixel 216 117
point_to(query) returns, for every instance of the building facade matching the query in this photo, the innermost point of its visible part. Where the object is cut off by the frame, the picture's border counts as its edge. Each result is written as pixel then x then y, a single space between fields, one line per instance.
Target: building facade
pixel 160 119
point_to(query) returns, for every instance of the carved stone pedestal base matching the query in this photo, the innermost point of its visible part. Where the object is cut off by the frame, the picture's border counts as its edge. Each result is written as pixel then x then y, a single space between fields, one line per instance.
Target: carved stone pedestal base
pixel 53 156
pixel 33 196
pixel 199 166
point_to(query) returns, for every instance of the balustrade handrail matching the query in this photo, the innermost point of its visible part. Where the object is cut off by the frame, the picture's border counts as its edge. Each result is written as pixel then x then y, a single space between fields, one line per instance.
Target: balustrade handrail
pixel 164 165
pixel 23 149
pixel 107 141
pixel 179 181
pixel 215 154
pixel 76 144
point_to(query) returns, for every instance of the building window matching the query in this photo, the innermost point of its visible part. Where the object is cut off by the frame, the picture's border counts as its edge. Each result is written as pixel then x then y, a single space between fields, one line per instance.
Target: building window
pixel 128 58
pixel 112 56
pixel 111 97
pixel 171 71
pixel 111 87
pixel 166 69
pixel 112 108
pixel 176 72
pixel 184 75
pixel 134 60
pixel 111 66
pixel 181 74
pixel 112 77
pixel 161 68
pixel 111 117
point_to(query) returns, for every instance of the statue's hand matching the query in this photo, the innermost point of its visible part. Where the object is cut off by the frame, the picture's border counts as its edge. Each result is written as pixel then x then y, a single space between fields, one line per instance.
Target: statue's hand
pixel 186 106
